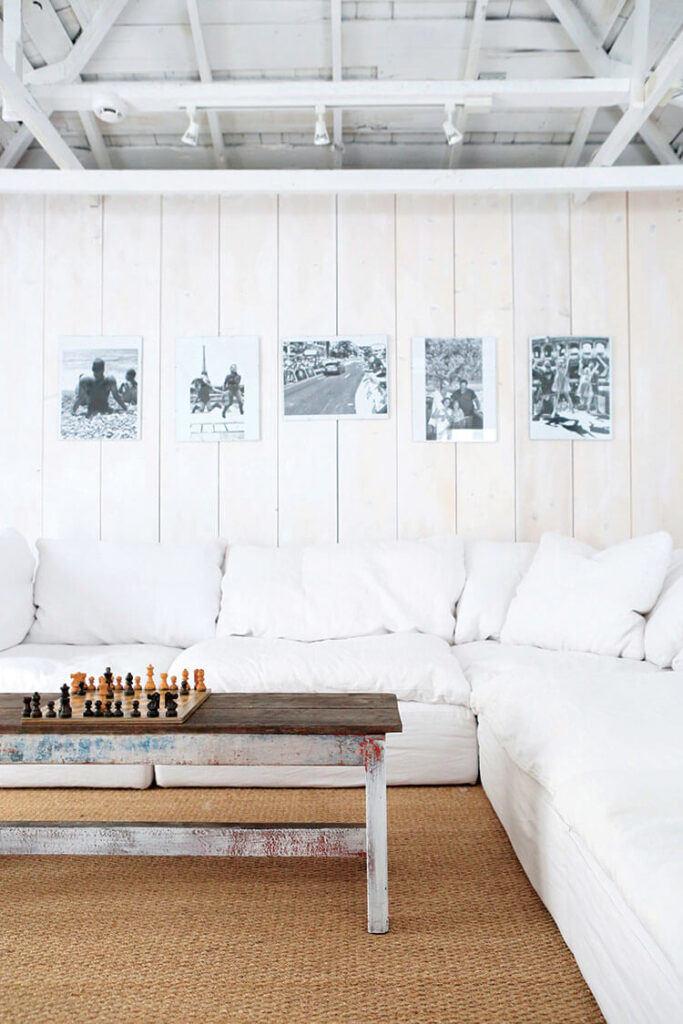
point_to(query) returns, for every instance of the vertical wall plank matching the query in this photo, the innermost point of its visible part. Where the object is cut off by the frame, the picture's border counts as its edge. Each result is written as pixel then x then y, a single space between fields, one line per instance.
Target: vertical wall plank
pixel 73 306
pixel 424 308
pixel 189 308
pixel 249 273
pixel 540 227
pixel 483 307
pixel 130 307
pixel 21 358
pixel 307 487
pixel 656 298
pixel 600 307
pixel 366 305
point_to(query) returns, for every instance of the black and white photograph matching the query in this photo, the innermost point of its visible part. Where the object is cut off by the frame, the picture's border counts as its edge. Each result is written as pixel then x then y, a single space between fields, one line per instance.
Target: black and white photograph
pixel 217 389
pixel 570 389
pixel 454 389
pixel 335 376
pixel 100 389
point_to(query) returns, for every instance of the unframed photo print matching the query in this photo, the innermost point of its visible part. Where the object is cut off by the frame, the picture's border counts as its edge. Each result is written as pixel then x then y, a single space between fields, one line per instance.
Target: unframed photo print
pixel 454 389
pixel 570 389
pixel 335 376
pixel 100 388
pixel 218 389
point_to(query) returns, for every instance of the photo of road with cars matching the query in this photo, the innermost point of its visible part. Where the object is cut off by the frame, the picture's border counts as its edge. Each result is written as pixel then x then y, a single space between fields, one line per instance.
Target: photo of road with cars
pixel 335 376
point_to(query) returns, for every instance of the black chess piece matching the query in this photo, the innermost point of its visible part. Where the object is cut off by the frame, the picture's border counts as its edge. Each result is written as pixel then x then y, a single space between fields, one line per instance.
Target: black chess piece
pixel 81 688
pixel 88 712
pixel 108 713
pixel 64 703
pixel 153 705
pixel 35 710
pixel 135 713
pixel 108 677
pixel 171 704
pixel 26 713
pixel 118 713
pixel 184 688
pixel 50 713
pixel 129 691
pixel 99 713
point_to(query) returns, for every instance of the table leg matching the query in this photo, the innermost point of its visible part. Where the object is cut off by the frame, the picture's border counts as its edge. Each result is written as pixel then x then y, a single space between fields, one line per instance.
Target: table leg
pixel 376 835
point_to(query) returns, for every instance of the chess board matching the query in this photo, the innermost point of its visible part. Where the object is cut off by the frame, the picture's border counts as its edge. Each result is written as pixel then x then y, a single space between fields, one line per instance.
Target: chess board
pixel 112 704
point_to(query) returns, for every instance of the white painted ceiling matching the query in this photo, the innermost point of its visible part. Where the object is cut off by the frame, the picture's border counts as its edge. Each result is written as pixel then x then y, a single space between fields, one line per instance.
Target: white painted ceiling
pixel 380 39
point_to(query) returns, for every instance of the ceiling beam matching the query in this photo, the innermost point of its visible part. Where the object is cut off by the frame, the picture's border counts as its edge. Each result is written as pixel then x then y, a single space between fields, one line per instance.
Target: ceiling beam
pixel 384 182
pixel 90 39
pixel 580 137
pixel 471 71
pixel 667 71
pixel 599 63
pixel 12 49
pixel 510 94
pixel 206 75
pixel 639 58
pixel 16 94
pixel 337 113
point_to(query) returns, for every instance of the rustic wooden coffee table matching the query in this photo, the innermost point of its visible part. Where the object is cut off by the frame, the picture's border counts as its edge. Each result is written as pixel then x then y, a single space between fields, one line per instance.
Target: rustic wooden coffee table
pixel 229 729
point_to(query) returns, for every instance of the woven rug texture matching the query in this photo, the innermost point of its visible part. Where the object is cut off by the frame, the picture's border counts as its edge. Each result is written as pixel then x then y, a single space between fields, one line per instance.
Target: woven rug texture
pixel 130 940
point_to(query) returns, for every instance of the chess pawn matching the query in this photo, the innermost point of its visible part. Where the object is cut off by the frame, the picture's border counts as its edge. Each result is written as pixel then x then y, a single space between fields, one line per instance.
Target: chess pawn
pixel 88 712
pixel 118 713
pixel 108 713
pixel 91 684
pixel 149 684
pixel 50 713
pixel 99 713
pixel 174 683
pixel 135 713
pixel 200 685
pixel 185 686
pixel 119 685
pixel 164 683
pixel 35 710
pixel 137 689
pixel 82 686
pixel 129 691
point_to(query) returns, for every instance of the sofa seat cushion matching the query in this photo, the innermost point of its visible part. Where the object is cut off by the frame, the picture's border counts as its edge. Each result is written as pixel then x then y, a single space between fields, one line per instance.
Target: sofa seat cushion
pixel 76 776
pixel 338 591
pixel 45 667
pixel 631 820
pixel 101 592
pixel 414 666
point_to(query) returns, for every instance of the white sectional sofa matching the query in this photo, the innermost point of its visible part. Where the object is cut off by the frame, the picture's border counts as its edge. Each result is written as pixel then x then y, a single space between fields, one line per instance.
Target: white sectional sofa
pixel 551 671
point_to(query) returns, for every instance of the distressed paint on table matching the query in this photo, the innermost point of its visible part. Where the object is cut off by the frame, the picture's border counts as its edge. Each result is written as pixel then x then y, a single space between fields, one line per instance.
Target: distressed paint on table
pixel 180 839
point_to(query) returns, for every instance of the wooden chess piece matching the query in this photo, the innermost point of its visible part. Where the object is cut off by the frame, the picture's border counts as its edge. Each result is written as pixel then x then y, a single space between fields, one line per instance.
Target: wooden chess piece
pixel 102 688
pixel 99 713
pixel 164 684
pixel 64 703
pixel 119 685
pixel 26 713
pixel 75 678
pixel 129 691
pixel 35 710
pixel 174 683
pixel 135 713
pixel 200 685
pixel 82 686
pixel 153 705
pixel 91 684
pixel 185 686
pixel 109 676
pixel 118 713
pixel 108 713
pixel 149 684
pixel 50 713
pixel 137 689
pixel 171 704
pixel 88 712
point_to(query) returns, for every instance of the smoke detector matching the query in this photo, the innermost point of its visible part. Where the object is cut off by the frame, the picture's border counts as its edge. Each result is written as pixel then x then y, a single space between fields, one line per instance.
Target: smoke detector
pixel 109 107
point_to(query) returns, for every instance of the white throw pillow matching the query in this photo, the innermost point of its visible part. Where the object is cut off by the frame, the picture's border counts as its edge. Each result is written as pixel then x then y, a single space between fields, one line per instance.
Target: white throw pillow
pixel 342 590
pixel 664 626
pixel 578 599
pixel 16 588
pixel 98 592
pixel 493 571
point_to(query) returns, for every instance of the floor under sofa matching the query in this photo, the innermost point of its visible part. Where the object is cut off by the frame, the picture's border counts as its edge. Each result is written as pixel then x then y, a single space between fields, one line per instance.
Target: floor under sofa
pixel 280 940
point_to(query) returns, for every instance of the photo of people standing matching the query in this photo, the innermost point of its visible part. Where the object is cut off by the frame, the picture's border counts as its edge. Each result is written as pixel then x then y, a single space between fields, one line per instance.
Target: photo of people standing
pixel 454 383
pixel 571 388
pixel 99 389
pixel 217 389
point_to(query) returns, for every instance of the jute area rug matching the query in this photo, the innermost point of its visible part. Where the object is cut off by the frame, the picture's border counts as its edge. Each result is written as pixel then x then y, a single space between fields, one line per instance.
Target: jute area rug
pixel 155 940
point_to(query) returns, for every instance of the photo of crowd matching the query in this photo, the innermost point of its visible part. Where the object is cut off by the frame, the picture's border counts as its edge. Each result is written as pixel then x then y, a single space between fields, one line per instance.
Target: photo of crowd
pixel 335 376
pixel 571 388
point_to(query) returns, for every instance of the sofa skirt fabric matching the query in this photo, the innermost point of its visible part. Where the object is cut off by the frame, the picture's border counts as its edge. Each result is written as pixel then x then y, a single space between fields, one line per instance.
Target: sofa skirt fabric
pixel 438 745
pixel 76 776
pixel 631 978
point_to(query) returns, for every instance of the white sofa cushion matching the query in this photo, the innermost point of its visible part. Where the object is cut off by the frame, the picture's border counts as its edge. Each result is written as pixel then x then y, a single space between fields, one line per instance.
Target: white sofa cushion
pixel 16 588
pixel 76 776
pixel 45 667
pixel 342 590
pixel 493 571
pixel 411 665
pixel 664 626
pixel 98 592
pixel 576 598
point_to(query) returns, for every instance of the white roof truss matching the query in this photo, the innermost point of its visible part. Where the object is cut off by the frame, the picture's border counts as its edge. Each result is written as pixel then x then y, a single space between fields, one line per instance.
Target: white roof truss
pixel 206 75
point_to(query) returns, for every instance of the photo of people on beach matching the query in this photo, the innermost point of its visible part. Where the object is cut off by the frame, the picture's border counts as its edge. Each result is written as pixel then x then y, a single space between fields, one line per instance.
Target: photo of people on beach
pixel 100 389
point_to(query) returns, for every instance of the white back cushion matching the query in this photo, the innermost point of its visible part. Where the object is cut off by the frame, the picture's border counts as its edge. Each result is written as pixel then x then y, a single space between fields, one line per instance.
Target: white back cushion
pixel 664 626
pixel 493 570
pixel 98 592
pixel 346 590
pixel 579 599
pixel 16 588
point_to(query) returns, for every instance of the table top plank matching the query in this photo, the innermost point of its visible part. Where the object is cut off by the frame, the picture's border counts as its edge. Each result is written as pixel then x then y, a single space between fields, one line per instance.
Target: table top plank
pixel 285 713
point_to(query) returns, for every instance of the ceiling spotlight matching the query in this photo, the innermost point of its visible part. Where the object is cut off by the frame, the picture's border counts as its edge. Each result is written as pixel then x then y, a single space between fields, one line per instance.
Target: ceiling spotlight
pixel 320 137
pixel 191 136
pixel 109 108
pixel 453 136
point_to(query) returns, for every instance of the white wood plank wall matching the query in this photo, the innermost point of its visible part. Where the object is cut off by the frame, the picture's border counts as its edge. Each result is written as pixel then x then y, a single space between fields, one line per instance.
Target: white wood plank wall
pixel 501 266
